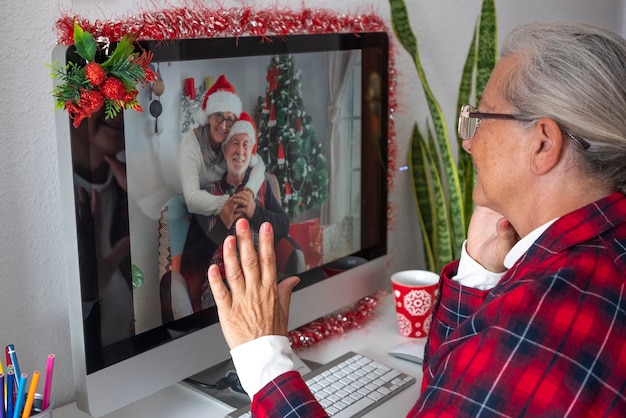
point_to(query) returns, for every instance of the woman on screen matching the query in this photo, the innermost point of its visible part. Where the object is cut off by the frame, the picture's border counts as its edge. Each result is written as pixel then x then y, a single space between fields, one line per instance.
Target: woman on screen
pixel 201 157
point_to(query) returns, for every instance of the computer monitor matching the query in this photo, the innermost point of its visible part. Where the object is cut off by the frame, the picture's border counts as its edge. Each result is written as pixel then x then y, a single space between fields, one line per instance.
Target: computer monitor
pixel 133 331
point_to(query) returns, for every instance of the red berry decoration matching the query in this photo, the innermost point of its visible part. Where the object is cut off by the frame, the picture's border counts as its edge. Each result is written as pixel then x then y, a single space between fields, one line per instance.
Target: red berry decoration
pixel 91 100
pixel 95 74
pixel 130 96
pixel 113 89
pixel 100 84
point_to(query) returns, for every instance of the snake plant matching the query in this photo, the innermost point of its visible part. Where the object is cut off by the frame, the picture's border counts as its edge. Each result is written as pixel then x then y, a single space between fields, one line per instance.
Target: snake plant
pixel 443 187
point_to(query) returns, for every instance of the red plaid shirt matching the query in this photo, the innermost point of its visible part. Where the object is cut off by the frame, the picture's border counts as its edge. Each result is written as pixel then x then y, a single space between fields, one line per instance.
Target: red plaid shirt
pixel 548 340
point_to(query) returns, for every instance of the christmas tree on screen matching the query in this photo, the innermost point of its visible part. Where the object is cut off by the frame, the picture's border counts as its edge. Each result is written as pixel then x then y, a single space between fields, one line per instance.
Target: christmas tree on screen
pixel 287 141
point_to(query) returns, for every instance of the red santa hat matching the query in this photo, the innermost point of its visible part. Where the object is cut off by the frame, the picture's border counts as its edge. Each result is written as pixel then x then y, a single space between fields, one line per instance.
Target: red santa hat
pixel 220 97
pixel 244 125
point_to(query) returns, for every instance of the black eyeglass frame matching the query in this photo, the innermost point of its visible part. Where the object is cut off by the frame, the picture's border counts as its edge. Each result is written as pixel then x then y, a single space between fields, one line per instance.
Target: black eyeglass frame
pixel 220 118
pixel 469 112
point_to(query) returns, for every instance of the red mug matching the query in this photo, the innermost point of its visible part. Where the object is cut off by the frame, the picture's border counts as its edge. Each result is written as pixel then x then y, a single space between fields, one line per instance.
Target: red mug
pixel 415 293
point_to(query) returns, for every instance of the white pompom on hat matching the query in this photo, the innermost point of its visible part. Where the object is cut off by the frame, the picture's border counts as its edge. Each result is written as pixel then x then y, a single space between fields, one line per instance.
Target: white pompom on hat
pixel 244 125
pixel 220 97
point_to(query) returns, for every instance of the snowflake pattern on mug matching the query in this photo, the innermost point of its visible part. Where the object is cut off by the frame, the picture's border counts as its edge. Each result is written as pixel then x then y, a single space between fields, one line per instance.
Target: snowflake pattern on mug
pixel 417 302
pixel 405 325
pixel 427 323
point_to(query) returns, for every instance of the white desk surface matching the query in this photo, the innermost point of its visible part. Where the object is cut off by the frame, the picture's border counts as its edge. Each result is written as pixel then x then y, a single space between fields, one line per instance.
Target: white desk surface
pixel 374 340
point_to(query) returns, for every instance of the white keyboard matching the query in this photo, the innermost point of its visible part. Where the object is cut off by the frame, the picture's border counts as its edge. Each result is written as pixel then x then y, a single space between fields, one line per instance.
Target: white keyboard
pixel 350 386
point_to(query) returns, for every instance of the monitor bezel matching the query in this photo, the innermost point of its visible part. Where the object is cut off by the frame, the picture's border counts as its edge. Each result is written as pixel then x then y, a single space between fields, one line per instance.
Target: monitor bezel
pixel 94 392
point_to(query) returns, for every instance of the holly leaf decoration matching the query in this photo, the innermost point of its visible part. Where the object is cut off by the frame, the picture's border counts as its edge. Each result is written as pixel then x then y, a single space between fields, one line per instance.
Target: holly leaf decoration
pixel 86 45
pixel 137 277
pixel 112 82
pixel 122 51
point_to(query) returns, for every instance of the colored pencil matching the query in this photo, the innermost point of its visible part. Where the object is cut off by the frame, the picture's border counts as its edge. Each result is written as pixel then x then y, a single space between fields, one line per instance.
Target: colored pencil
pixel 14 362
pixel 19 400
pixel 4 393
pixel 48 383
pixel 8 357
pixel 28 406
pixel 10 391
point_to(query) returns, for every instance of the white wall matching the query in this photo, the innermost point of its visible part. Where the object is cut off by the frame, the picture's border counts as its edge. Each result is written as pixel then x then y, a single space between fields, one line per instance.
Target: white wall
pixel 33 307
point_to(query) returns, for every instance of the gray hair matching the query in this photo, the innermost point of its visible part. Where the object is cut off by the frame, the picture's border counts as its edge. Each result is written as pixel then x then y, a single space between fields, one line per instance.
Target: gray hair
pixel 575 74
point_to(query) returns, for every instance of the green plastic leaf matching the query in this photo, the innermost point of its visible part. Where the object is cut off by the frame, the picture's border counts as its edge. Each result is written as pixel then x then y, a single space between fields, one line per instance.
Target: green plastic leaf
pixel 86 45
pixel 137 277
pixel 122 51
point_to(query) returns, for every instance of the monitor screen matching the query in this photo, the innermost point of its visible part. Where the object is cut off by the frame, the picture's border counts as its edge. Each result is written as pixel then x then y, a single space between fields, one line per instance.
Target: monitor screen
pixel 142 316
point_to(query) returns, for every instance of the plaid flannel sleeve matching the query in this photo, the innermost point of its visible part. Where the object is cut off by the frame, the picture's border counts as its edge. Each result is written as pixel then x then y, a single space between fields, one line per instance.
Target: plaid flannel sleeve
pixel 287 396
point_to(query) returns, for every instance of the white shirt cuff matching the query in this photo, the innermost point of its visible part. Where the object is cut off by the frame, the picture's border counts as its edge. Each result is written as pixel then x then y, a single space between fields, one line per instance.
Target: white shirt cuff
pixel 260 361
pixel 471 274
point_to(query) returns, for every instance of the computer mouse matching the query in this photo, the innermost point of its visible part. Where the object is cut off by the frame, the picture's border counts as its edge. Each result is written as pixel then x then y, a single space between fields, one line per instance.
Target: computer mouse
pixel 412 350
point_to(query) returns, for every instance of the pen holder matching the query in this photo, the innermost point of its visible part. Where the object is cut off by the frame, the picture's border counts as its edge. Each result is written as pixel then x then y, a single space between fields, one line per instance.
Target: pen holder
pixel 36 411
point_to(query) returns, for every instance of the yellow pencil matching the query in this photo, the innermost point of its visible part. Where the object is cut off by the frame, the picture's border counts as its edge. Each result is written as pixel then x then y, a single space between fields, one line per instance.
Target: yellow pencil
pixel 31 394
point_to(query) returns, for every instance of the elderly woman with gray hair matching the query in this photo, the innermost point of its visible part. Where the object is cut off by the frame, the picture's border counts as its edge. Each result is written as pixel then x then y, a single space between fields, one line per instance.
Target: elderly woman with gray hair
pixel 531 320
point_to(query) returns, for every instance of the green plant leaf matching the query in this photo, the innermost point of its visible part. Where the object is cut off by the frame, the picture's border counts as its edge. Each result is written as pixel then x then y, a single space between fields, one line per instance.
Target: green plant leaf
pixel 441 132
pixel 442 236
pixel 467 77
pixel 402 26
pixel 423 194
pixel 466 166
pixel 486 55
pixel 458 233
pixel 443 189
pixel 487 45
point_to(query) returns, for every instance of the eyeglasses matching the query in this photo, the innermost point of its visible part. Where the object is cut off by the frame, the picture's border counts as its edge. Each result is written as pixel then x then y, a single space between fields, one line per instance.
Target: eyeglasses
pixel 220 118
pixel 469 120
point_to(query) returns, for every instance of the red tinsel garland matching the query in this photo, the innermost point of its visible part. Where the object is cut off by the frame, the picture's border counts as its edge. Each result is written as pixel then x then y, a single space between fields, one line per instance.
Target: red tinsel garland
pixel 334 324
pixel 203 22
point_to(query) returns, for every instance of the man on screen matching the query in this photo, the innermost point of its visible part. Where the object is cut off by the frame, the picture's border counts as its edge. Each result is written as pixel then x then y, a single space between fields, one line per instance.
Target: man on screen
pixel 206 233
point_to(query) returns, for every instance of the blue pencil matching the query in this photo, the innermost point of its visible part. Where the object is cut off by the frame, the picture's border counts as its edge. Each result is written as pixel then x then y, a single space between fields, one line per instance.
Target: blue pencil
pixel 19 400
pixel 10 391
pixel 13 356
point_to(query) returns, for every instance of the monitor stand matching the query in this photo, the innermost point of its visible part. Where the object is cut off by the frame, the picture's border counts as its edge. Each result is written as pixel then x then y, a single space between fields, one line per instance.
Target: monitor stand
pixel 211 376
pixel 228 395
